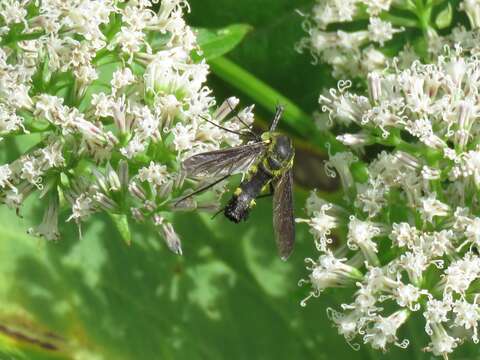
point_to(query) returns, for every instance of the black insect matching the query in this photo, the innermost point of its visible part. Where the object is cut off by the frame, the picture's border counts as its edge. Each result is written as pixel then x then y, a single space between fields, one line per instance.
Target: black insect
pixel 266 163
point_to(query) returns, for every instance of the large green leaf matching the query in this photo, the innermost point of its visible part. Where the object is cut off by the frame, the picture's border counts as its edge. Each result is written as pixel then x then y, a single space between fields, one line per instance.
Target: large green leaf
pixel 218 42
pixel 229 296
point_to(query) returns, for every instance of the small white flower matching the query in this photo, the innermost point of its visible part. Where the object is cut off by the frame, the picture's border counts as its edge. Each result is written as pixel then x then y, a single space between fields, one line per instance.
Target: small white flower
pixel 49 225
pixel 52 155
pixel 31 170
pixel 414 263
pixel 13 11
pixel 467 315
pixel 468 166
pixel 472 231
pixel 9 121
pixel 347 324
pixel 155 174
pixel 437 311
pixel 331 272
pixel 442 344
pixel 404 235
pixel 321 224
pixel 122 78
pixel 83 207
pixel 431 207
pixel 169 235
pixel 103 104
pixel 5 174
pixel 341 162
pixel 438 243
pixel 380 31
pixel 461 273
pixel 184 136
pixel 129 40
pixel 371 197
pixel 360 235
pixel 407 296
pixel 384 330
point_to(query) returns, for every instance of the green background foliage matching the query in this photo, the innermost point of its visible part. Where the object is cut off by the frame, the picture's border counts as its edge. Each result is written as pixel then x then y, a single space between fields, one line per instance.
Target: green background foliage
pixel 229 296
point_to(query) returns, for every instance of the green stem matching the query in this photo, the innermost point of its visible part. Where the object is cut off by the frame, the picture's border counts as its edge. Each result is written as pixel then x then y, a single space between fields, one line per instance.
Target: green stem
pixel 424 12
pixel 399 21
pixel 268 97
pixel 9 39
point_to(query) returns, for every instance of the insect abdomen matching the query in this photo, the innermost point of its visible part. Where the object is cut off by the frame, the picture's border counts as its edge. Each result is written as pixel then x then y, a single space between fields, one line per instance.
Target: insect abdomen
pixel 239 205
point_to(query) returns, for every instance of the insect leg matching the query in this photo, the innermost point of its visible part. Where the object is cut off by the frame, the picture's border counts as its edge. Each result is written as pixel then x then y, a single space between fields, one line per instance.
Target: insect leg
pixel 272 190
pixel 218 212
pixel 203 188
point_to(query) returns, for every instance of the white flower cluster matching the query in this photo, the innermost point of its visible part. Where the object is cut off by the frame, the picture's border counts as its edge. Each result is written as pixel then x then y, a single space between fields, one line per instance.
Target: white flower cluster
pixel 410 221
pixel 339 36
pixel 117 100
pixel 350 53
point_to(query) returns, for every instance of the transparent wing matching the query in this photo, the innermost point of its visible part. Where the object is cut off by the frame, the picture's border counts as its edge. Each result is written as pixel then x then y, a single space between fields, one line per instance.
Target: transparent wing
pixel 283 221
pixel 223 162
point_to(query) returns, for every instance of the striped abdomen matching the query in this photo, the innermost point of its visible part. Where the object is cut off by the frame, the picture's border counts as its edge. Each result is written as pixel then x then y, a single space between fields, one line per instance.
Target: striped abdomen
pixel 244 198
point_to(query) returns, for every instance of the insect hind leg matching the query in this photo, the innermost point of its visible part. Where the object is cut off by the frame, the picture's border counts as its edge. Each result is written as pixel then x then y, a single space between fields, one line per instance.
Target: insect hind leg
pixel 218 212
pixel 202 189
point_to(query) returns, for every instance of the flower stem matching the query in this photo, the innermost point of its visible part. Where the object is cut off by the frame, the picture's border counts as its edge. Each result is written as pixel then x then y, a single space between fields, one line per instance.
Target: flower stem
pixel 14 38
pixel 268 97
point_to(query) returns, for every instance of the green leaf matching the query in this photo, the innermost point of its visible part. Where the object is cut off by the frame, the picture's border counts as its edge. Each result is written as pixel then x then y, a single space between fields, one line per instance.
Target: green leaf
pixel 218 42
pixel 444 18
pixel 229 296
pixel 123 228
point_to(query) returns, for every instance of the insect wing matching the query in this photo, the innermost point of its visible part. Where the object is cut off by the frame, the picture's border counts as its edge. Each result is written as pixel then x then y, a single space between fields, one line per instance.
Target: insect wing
pixel 224 162
pixel 283 221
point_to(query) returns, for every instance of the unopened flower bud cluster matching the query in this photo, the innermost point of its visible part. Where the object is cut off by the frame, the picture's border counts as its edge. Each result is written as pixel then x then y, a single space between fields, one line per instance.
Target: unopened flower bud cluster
pixel 115 101
pixel 356 37
pixel 408 227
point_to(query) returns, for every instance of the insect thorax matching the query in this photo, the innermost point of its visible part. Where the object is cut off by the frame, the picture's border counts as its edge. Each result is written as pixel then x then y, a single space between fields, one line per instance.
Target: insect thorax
pixel 280 154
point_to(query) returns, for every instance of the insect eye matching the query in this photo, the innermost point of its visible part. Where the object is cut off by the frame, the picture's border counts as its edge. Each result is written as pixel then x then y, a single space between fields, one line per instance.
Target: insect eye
pixel 282 148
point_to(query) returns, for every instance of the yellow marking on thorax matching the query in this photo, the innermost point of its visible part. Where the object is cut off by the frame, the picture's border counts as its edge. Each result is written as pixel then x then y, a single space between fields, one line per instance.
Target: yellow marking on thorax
pixel 276 173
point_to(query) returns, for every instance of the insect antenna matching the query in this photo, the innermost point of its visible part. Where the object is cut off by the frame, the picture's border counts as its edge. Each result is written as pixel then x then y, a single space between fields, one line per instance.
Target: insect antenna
pixel 222 127
pixel 278 114
pixel 249 128
pixel 203 188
